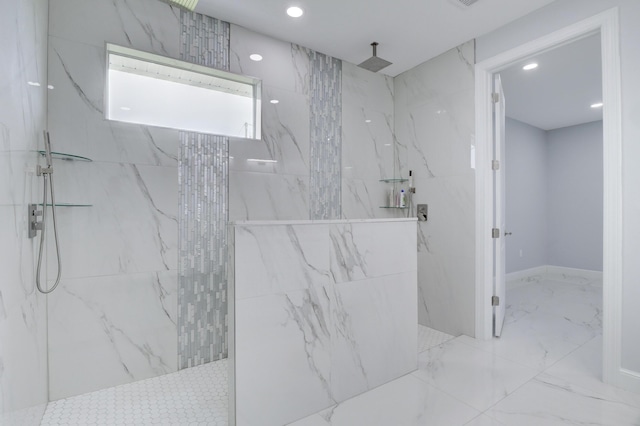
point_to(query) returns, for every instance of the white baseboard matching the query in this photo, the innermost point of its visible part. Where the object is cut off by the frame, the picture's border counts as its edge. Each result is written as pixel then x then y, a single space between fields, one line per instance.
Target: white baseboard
pixel 552 273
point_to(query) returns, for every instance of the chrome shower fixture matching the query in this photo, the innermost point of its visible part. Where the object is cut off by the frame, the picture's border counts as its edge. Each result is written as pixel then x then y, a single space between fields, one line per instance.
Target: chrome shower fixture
pixel 190 5
pixel 33 212
pixel 374 63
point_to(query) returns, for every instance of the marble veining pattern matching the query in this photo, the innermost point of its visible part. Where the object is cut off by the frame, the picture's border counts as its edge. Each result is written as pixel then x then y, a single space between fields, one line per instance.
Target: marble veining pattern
pixel 466 382
pixel 326 351
pixel 326 137
pixel 434 125
pixel 126 324
pixel 204 211
pixel 116 305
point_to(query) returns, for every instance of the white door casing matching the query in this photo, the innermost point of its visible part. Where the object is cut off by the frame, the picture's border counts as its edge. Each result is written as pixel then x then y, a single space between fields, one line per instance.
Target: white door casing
pixel 607 24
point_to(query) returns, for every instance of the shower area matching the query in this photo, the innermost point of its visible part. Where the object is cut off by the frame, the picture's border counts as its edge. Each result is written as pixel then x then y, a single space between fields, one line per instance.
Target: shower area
pixel 142 212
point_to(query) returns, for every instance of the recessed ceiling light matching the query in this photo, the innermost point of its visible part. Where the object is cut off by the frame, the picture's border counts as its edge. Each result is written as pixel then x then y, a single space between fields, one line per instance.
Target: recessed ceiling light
pixel 530 66
pixel 367 121
pixel 50 87
pixel 274 101
pixel 597 105
pixel 295 12
pixel 255 57
pixel 33 83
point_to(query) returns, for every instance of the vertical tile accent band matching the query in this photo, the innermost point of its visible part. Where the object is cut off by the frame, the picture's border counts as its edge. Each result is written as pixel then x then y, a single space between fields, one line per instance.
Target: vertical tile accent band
pixel 325 181
pixel 203 212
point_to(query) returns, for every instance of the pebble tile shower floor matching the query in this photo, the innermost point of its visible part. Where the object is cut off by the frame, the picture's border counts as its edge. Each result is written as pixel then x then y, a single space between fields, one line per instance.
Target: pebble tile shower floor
pixel 193 396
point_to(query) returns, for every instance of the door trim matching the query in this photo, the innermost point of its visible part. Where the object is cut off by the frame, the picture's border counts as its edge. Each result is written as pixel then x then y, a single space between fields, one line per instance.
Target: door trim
pixel 607 24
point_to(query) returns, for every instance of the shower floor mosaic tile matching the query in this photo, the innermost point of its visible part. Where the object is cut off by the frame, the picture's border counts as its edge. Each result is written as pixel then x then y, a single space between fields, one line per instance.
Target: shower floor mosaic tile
pixel 193 396
pixel 429 338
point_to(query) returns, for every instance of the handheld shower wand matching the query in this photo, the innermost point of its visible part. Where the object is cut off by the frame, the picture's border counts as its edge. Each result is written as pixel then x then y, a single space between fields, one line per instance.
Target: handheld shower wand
pixel 47 175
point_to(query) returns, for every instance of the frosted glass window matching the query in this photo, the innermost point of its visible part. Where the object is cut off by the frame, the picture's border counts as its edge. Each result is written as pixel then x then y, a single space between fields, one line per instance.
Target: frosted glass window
pixel 150 89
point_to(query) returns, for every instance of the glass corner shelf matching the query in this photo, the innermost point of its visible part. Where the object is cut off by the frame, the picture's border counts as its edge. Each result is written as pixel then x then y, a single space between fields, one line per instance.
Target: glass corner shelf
pixel 68 205
pixel 393 207
pixel 63 156
pixel 394 180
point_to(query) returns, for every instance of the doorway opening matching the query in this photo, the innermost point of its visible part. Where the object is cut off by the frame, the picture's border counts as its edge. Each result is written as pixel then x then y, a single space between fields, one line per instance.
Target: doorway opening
pixel 606 26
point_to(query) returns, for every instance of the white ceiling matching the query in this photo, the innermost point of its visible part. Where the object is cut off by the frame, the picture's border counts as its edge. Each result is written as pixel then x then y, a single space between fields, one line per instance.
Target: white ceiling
pixel 560 91
pixel 410 32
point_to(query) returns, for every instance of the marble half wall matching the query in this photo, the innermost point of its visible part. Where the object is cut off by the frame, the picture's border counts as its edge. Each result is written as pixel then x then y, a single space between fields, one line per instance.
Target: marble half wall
pixel 434 124
pixel 322 311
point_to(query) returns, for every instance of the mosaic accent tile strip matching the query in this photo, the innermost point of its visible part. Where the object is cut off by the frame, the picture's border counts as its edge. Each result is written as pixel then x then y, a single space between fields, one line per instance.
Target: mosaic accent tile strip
pixel 202 233
pixel 204 212
pixel 205 40
pixel 325 180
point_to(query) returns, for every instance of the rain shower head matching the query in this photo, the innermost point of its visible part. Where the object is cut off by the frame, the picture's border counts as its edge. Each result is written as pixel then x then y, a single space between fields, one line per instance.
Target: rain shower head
pixel 374 63
pixel 185 4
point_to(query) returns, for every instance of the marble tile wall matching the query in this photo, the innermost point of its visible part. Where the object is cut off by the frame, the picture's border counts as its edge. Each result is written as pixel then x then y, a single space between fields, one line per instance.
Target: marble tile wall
pixel 334 303
pixel 272 190
pixel 434 123
pixel 113 318
pixel 367 143
pixel 23 322
pixel 131 230
pixel 284 190
pixel 204 212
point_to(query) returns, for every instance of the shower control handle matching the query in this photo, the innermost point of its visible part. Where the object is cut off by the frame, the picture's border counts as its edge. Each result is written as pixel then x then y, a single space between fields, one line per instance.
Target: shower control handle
pixel 34 224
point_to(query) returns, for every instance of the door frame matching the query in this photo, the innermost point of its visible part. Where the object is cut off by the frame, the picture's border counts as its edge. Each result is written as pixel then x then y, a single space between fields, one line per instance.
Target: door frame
pixel 607 24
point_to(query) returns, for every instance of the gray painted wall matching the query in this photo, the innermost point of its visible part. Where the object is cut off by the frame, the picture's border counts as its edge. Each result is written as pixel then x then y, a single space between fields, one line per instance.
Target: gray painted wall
pixel 554 196
pixel 526 195
pixel 574 188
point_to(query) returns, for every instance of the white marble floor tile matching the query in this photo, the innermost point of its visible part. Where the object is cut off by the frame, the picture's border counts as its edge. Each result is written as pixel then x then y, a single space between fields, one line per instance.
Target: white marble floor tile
pixel 555 315
pixel 550 401
pixel 535 351
pixel 428 338
pixel 583 368
pixel 405 401
pixel 476 377
pixel 195 395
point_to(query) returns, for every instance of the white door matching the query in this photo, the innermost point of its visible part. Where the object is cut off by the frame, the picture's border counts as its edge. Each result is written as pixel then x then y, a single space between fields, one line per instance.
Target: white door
pixel 499 210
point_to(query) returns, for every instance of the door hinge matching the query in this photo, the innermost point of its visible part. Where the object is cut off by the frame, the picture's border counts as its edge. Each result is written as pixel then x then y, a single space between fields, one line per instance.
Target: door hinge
pixel 495 301
pixel 495 164
pixel 495 233
pixel 495 97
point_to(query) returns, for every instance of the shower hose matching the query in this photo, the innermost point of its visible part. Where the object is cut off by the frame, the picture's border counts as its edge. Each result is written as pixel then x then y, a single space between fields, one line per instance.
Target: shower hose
pixel 48 181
